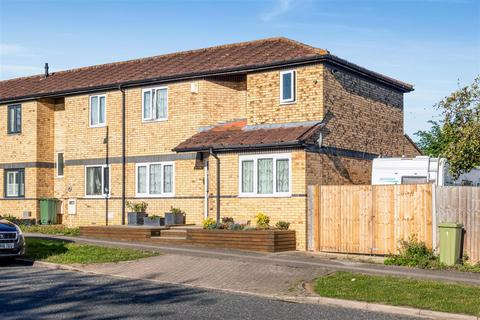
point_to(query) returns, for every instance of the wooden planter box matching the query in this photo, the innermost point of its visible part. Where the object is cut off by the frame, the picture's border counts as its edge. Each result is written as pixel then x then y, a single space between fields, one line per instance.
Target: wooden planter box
pixel 252 240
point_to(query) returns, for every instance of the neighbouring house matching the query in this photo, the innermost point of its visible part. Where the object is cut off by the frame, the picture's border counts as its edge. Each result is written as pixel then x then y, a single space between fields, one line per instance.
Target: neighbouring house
pixel 233 129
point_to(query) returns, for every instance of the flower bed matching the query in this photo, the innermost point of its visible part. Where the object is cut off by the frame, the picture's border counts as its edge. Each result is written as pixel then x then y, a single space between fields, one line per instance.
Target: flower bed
pixel 255 240
pixel 258 237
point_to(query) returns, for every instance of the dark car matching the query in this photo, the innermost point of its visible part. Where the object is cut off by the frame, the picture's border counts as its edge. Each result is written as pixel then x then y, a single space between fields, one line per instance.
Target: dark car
pixel 12 242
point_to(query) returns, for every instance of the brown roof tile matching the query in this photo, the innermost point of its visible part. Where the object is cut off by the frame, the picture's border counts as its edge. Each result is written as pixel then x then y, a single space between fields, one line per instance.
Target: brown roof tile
pixel 202 61
pixel 238 135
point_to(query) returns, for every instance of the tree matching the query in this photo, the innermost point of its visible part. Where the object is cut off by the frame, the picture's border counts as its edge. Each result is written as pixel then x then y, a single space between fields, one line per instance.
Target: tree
pixel 457 136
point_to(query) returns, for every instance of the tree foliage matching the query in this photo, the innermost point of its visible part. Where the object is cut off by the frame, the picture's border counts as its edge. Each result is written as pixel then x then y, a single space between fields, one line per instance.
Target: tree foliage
pixel 457 136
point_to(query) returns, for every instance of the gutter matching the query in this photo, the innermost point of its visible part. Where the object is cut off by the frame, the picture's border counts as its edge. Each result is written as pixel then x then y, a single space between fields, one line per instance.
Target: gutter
pixel 294 144
pixel 404 87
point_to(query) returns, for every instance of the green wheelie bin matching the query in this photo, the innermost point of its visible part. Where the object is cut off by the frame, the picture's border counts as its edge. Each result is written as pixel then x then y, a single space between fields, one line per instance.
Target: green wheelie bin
pixel 450 242
pixel 48 210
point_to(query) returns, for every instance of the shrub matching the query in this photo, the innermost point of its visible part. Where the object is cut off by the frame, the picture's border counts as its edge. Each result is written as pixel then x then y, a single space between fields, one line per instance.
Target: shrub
pixel 176 210
pixel 282 225
pixel 262 220
pixel 228 220
pixel 137 206
pixel 209 223
pixel 236 226
pixel 414 253
pixel 9 218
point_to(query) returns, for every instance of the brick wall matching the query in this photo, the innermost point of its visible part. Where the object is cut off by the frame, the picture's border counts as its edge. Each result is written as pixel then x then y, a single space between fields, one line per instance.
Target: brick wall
pixel 361 115
pixel 291 209
pixel 263 97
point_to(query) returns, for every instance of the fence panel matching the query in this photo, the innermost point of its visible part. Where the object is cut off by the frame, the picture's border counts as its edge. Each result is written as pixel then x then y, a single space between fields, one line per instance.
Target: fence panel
pixel 461 205
pixel 369 219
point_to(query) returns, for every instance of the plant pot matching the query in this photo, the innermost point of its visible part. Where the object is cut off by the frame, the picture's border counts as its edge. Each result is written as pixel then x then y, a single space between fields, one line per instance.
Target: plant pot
pixel 136 218
pixel 174 218
pixel 156 221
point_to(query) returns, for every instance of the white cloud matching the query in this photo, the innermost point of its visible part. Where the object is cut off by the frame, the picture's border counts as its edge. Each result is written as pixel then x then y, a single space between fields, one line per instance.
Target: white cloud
pixel 9 71
pixel 14 50
pixel 281 7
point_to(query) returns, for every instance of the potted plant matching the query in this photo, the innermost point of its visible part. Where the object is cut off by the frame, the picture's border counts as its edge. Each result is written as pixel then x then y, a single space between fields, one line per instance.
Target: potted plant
pixel 138 213
pixel 154 220
pixel 175 216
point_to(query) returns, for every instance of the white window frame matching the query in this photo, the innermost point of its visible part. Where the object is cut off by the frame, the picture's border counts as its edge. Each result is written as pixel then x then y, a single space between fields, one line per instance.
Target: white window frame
pixel 255 158
pixel 16 182
pixel 293 87
pixel 151 119
pixel 103 179
pixel 162 193
pixel 98 125
pixel 56 164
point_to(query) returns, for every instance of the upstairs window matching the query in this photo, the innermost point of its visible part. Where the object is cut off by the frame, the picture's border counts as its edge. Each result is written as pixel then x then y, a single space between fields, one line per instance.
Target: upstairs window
pixel 155 104
pixel 155 179
pixel 97 111
pixel 265 175
pixel 15 118
pixel 287 86
pixel 59 164
pixel 14 183
pixel 97 180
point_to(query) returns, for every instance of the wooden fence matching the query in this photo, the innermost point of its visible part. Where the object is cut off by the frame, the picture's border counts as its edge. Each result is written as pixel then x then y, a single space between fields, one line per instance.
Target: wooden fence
pixel 461 205
pixel 373 219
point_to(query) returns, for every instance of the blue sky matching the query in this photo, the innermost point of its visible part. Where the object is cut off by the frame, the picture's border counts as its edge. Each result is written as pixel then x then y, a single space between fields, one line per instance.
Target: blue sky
pixel 432 44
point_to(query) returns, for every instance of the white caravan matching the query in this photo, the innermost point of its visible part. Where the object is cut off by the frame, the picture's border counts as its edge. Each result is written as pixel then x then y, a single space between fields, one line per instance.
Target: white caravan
pixel 421 169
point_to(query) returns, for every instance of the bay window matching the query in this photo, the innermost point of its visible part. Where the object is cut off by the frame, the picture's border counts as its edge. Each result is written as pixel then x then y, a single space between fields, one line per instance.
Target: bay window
pixel 265 175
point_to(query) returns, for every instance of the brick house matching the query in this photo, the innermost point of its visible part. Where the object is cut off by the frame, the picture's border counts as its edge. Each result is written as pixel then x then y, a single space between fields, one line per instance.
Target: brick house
pixel 232 129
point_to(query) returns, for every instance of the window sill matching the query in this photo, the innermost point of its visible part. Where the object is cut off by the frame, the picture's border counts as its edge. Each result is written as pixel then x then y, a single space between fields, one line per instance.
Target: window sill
pixel 153 121
pixel 279 195
pixel 286 103
pixel 98 126
pixel 97 197
pixel 14 133
pixel 158 196
pixel 14 198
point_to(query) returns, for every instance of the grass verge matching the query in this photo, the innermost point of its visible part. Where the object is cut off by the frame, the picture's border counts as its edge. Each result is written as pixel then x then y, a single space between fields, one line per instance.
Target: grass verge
pixel 64 252
pixel 431 295
pixel 51 229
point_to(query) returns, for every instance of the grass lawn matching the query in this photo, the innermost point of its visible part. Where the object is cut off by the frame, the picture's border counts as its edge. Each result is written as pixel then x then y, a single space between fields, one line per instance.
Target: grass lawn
pixel 432 295
pixel 64 252
pixel 51 229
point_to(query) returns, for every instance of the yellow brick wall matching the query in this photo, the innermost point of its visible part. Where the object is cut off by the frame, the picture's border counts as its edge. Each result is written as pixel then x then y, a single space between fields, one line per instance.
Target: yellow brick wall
pixel 291 209
pixel 15 207
pixel 19 147
pixel 263 97
pixel 361 115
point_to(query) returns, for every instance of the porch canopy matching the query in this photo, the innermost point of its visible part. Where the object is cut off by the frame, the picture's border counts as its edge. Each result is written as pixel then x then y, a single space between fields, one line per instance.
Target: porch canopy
pixel 237 135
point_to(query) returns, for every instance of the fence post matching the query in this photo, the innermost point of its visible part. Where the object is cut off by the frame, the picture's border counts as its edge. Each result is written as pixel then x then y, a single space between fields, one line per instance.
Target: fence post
pixel 434 219
pixel 316 218
pixel 310 218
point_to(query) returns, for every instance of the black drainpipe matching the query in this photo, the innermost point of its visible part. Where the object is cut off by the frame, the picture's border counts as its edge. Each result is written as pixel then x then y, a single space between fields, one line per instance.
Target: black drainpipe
pixel 123 152
pixel 218 183
pixel 106 191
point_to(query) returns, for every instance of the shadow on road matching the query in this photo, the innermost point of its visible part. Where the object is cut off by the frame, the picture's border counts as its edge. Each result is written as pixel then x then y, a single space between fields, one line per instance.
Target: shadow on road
pixel 84 296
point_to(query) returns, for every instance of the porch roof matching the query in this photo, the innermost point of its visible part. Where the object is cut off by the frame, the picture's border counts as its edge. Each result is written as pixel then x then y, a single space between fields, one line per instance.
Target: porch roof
pixel 238 135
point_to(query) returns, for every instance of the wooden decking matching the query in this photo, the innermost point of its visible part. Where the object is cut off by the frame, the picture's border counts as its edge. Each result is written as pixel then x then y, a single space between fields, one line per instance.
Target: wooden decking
pixel 252 240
